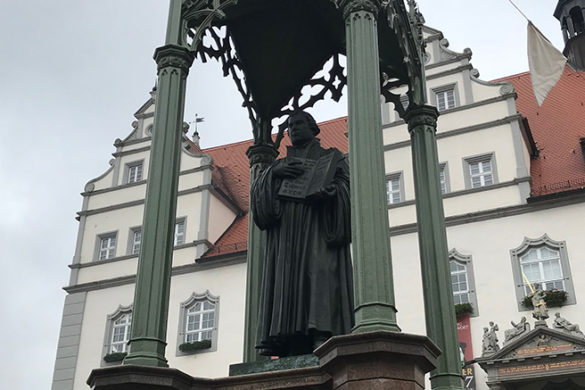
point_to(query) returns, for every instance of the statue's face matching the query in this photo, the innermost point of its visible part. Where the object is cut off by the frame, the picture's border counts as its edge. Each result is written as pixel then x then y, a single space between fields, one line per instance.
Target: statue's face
pixel 299 129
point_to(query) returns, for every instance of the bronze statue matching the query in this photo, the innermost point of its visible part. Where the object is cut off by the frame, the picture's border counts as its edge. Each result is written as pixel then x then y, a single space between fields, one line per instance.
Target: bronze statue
pixel 302 202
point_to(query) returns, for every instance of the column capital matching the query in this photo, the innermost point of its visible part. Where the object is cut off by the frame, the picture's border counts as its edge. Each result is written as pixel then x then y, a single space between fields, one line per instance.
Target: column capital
pixel 351 6
pixel 421 115
pixel 173 56
pixel 261 154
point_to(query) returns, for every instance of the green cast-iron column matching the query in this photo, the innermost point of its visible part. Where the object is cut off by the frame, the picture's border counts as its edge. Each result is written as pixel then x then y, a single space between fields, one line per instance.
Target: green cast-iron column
pixel 151 297
pixel 260 157
pixel 438 294
pixel 373 283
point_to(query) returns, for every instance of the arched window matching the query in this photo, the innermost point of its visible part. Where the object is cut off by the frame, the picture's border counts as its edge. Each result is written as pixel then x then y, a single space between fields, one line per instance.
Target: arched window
pixel 200 321
pixel 118 327
pixel 543 263
pixel 121 333
pixel 542 267
pixel 198 324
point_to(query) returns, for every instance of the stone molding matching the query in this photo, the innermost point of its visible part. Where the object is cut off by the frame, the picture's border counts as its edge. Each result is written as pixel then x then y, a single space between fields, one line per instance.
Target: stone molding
pixel 421 116
pixel 351 6
pixel 173 56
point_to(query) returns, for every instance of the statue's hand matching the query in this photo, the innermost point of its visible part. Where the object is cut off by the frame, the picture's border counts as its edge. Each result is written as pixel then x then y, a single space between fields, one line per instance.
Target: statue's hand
pixel 289 169
pixel 326 192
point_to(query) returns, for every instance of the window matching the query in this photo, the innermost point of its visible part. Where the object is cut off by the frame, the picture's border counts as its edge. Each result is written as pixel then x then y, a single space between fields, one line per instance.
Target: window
pixel 394 188
pixel 117 335
pixel 135 240
pixel 445 99
pixel 462 280
pixel 200 321
pixel 179 232
pixel 444 178
pixel 480 171
pixel 542 267
pixel 199 316
pixel 121 333
pixel 459 282
pixel 544 263
pixel 106 246
pixel 134 173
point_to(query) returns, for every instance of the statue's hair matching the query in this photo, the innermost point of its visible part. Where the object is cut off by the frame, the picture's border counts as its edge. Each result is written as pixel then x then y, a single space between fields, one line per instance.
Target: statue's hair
pixel 309 118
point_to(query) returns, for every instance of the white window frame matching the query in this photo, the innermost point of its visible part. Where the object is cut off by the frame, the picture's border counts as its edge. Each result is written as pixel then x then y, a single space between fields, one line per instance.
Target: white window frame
pixel 109 251
pixel 134 172
pixel 481 160
pixel 466 261
pixel 183 333
pixel 179 236
pixel 444 91
pixel 523 249
pixel 444 178
pixel 394 196
pixel 134 245
pixel 120 312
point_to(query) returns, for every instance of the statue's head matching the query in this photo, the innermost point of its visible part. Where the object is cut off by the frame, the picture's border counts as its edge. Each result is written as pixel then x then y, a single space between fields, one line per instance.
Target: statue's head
pixel 557 314
pixel 302 127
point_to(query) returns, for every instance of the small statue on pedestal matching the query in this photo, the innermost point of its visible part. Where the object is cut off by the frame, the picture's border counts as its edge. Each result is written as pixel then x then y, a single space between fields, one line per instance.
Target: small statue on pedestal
pixel 490 340
pixel 540 312
pixel 521 327
pixel 563 324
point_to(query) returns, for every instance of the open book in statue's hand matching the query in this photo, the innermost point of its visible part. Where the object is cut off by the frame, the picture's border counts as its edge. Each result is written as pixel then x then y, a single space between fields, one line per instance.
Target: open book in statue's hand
pixel 314 182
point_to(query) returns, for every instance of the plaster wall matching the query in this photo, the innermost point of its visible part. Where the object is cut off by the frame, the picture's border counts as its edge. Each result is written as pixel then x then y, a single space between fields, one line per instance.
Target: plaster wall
pixel 119 196
pixel 107 270
pixel 104 180
pixel 99 304
pixel 481 91
pixel 220 217
pixel 229 284
pixel 192 160
pixel 118 220
pixel 137 145
pixel 191 180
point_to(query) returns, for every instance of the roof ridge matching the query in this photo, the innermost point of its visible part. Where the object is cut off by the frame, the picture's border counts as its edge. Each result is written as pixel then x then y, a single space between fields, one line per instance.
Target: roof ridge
pixel 505 78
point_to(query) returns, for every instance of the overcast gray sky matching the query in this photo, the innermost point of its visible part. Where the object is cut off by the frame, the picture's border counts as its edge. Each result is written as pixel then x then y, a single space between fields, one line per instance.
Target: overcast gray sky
pixel 72 74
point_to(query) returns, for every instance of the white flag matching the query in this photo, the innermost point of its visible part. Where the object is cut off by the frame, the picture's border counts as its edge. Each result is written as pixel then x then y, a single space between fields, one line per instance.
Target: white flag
pixel 546 63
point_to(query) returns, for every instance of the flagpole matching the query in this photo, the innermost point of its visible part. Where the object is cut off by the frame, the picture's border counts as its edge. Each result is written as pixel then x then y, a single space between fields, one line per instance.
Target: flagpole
pixel 518 9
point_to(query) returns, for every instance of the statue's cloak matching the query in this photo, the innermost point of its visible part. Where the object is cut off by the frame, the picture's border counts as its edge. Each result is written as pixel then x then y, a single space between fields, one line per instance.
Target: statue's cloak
pixel 307 286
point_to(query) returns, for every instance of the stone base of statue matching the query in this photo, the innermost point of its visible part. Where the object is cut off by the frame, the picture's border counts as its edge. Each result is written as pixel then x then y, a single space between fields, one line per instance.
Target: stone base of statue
pixel 372 360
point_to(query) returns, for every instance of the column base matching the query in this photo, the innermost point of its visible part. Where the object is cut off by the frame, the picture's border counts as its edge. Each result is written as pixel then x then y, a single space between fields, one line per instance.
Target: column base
pixel 378 360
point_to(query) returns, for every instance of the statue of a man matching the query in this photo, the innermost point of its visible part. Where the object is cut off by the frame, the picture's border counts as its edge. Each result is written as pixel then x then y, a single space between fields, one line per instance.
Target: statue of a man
pixel 307 286
pixel 564 324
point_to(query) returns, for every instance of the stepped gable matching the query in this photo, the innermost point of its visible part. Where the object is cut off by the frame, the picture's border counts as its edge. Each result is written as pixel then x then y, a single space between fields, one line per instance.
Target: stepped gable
pixel 231 174
pixel 557 127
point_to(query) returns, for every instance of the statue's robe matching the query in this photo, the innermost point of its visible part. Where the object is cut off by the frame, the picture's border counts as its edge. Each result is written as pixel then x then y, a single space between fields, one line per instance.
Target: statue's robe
pixel 307 287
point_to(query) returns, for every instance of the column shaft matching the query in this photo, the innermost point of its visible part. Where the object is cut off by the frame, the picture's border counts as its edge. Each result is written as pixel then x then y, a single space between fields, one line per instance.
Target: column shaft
pixel 438 294
pixel 260 157
pixel 151 297
pixel 373 283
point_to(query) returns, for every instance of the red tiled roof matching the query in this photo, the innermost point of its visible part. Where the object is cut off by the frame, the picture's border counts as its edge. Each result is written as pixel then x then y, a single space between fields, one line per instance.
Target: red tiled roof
pixel 556 127
pixel 231 174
